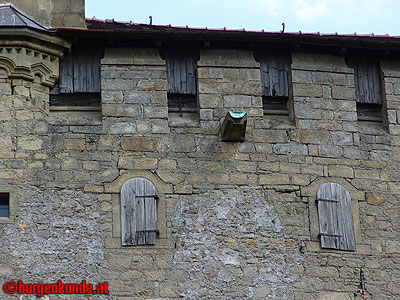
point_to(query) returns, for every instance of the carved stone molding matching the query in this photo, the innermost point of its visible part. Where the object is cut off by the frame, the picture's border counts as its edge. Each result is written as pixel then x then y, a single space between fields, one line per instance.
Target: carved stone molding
pixel 31 56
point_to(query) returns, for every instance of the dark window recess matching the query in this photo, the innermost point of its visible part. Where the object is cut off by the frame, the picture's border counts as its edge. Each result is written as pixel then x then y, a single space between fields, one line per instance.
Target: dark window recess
pixel 79 83
pixel 182 103
pixel 4 205
pixel 138 212
pixel 368 86
pixel 274 69
pixel 181 79
pixel 335 217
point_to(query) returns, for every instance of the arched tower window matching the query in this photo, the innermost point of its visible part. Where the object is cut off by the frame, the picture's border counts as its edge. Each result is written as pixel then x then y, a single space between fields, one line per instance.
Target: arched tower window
pixel 138 212
pixel 335 217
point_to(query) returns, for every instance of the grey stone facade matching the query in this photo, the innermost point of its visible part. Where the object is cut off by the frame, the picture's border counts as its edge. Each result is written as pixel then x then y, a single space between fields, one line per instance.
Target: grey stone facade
pixel 235 220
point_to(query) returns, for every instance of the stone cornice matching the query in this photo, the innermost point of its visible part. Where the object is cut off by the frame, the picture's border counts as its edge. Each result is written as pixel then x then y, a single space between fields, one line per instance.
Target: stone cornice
pixel 30 55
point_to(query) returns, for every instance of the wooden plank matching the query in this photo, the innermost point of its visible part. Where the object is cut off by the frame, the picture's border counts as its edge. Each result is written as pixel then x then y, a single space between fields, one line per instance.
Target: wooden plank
pixel 335 217
pixel 150 213
pixel 128 224
pixel 140 216
pixel 274 69
pixel 181 71
pixel 66 83
pixel 367 81
pixel 138 212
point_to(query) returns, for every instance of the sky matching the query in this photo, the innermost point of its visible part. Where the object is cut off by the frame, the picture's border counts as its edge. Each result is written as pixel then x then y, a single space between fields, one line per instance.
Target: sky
pixel 325 16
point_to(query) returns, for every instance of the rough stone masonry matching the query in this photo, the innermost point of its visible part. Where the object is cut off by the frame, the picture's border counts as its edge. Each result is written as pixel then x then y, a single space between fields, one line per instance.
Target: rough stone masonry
pixel 235 220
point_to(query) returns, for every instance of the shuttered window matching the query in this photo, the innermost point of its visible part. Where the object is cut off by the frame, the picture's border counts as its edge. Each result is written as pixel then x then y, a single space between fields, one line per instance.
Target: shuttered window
pixel 181 79
pixel 138 212
pixel 335 217
pixel 274 69
pixel 79 83
pixel 367 81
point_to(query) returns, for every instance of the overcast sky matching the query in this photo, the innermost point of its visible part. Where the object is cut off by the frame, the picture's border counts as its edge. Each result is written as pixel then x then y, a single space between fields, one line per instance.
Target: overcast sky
pixel 325 16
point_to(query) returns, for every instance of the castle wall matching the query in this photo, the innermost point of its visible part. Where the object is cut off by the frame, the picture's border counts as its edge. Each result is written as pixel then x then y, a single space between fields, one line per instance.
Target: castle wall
pixel 236 220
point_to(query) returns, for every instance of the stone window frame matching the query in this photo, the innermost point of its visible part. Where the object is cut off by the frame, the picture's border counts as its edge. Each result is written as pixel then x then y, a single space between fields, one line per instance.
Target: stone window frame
pixel 310 191
pixel 162 189
pixel 13 205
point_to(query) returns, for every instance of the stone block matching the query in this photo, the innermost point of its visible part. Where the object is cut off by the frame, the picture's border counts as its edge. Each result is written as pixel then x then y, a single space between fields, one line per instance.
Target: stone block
pixel 343 93
pixel 374 200
pixel 122 128
pixel 317 137
pixel 340 171
pixel 307 90
pixel 139 143
pixel 299 76
pixel 290 149
pixel 231 58
pixel 29 143
pixel 145 163
pixel 74 144
pixel 170 177
pixel 274 179
pixel 330 151
pixel 237 101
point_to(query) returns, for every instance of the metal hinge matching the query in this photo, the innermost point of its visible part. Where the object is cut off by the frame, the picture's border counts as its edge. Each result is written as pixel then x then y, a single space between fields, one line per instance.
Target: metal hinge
pixel 325 200
pixel 333 235
pixel 148 196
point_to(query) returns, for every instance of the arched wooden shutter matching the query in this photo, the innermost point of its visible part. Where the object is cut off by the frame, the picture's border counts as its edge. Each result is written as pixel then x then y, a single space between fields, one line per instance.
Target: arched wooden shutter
pixel 138 212
pixel 335 217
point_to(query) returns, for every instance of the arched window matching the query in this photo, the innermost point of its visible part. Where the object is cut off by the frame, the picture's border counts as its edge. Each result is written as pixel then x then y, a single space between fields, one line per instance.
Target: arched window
pixel 335 217
pixel 138 212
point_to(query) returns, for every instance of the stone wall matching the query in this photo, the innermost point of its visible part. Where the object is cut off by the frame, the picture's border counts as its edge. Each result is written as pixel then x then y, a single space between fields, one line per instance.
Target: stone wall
pixel 236 220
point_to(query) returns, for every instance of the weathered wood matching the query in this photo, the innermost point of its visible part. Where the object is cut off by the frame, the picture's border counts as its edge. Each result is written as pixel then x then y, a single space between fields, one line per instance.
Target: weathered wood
pixel 369 112
pixel 181 70
pixel 276 105
pixel 80 70
pixel 367 81
pixel 76 99
pixel 274 74
pixel 66 82
pixel 138 212
pixel 182 103
pixel 335 217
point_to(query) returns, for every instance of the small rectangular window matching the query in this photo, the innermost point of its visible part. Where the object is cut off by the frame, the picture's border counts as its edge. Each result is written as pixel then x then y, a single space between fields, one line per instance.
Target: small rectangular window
pixel 274 68
pixel 367 81
pixel 4 205
pixel 79 83
pixel 181 66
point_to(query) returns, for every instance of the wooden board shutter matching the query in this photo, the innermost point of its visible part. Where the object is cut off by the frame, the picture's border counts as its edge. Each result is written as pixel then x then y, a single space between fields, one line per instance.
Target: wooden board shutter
pixel 181 71
pixel 80 70
pixel 138 212
pixel 67 74
pixel 367 81
pixel 87 68
pixel 335 217
pixel 274 74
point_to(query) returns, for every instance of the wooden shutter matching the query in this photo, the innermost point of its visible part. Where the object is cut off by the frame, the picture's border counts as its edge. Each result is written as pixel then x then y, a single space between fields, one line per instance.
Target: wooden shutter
pixel 181 71
pixel 335 217
pixel 274 74
pixel 138 212
pixel 80 70
pixel 367 81
pixel 66 82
